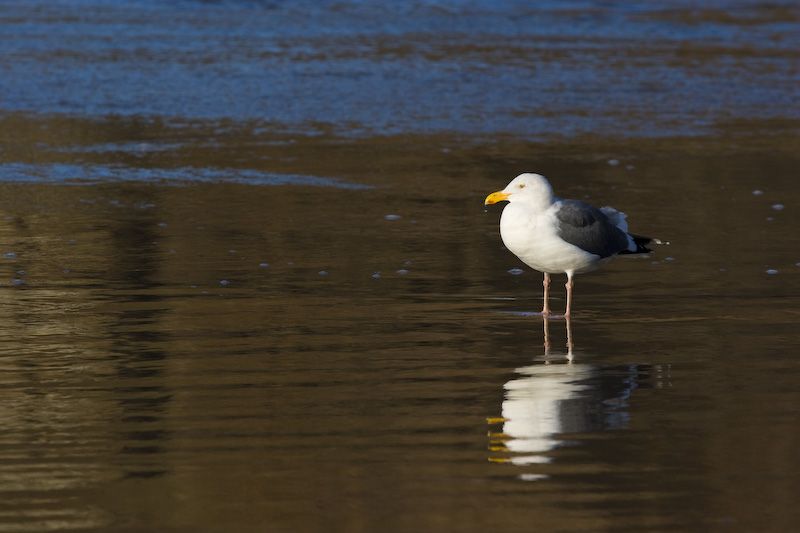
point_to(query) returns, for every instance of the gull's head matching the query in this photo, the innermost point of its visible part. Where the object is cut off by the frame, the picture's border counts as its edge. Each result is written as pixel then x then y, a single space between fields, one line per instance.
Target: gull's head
pixel 527 188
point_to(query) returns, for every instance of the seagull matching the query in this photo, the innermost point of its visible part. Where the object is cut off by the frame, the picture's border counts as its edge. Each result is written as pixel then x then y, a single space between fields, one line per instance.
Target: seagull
pixel 556 236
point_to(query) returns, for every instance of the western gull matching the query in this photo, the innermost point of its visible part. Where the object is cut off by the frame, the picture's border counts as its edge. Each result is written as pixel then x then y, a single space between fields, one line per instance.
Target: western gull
pixel 556 236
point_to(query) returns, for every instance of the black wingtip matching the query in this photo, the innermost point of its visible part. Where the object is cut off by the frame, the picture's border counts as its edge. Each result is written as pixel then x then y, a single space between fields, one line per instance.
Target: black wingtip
pixel 641 243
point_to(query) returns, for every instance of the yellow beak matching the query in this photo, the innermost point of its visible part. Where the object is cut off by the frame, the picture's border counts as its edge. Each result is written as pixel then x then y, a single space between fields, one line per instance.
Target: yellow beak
pixel 495 197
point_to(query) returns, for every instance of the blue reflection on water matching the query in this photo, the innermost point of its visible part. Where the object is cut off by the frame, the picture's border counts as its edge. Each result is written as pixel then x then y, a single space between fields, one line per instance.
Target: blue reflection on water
pixel 88 174
pixel 477 66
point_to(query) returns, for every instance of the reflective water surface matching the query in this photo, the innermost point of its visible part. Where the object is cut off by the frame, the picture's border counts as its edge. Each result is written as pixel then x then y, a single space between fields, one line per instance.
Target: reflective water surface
pixel 294 313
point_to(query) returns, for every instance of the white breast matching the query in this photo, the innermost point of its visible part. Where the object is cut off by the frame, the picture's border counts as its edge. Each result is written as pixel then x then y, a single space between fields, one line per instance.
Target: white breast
pixel 534 239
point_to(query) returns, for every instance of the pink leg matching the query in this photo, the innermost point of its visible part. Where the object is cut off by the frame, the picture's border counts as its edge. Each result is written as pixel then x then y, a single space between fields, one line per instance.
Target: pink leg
pixel 569 285
pixel 546 284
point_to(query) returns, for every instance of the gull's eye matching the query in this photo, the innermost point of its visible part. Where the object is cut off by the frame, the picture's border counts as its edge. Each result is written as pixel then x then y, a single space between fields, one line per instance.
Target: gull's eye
pixel 522 186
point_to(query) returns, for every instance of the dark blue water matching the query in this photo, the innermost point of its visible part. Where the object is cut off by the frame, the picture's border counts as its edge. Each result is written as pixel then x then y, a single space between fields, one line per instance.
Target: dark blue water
pixel 531 69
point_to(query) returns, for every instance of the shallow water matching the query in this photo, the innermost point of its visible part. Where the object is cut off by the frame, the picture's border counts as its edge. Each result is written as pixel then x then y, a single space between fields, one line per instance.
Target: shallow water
pixel 288 317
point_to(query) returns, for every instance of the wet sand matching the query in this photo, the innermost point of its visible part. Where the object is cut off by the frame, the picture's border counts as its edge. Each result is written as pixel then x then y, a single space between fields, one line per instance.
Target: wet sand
pixel 281 317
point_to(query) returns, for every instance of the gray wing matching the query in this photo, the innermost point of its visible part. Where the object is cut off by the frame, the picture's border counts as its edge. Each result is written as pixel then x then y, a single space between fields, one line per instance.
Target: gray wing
pixel 589 229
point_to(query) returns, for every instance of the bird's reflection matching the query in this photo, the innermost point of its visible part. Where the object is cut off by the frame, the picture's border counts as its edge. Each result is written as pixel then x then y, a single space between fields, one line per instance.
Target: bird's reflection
pixel 550 400
pixel 548 345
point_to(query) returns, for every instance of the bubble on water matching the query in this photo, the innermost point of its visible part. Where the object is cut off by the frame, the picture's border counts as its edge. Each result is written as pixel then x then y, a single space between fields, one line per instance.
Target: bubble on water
pixel 613 162
pixel 162 224
pixel 669 259
pixel 323 272
pixel 516 271
pixel 778 207
pixel 533 477
pixel 772 271
pixel 392 217
pixel 264 265
pixel 10 255
pixel 402 271
pixel 223 282
pixel 376 275
pixel 65 271
pixel 757 192
pixel 17 281
pixel 21 272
